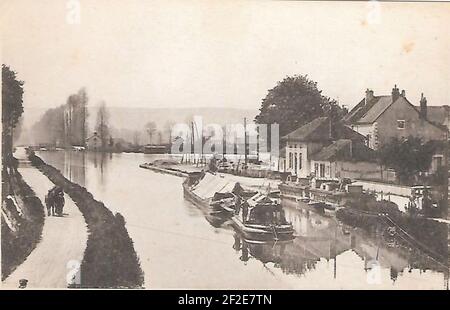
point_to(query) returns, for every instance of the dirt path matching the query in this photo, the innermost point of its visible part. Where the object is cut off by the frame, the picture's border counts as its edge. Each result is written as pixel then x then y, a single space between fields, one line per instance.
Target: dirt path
pixel 62 245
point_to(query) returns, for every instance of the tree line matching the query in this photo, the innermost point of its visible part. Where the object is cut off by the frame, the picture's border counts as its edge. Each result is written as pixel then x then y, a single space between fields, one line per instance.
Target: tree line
pixel 65 125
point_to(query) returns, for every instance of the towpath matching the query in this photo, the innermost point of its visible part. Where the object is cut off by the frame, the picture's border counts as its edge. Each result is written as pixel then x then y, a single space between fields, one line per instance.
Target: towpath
pixel 60 251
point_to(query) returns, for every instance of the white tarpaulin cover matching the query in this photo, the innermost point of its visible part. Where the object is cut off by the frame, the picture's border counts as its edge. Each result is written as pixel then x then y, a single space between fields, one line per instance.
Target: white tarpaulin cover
pixel 212 184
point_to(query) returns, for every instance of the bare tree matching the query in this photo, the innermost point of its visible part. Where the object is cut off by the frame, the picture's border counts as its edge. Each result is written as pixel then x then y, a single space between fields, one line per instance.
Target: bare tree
pixel 136 137
pixel 102 127
pixel 150 128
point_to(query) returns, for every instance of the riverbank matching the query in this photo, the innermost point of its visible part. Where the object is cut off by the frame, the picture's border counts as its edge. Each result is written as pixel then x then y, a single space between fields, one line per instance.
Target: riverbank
pixel 110 260
pixel 22 221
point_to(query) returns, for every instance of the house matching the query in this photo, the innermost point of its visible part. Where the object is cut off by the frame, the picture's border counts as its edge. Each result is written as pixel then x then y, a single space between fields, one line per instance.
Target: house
pixel 93 142
pixel 331 162
pixel 439 115
pixel 381 118
pixel 309 139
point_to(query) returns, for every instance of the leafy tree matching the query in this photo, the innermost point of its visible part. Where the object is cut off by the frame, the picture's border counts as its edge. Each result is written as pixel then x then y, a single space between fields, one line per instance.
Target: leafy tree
pixel 294 102
pixel 12 109
pixel 407 157
pixel 50 128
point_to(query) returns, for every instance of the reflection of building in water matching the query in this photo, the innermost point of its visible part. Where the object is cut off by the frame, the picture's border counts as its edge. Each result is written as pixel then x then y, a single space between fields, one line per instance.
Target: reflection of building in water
pixel 324 238
pixel 100 160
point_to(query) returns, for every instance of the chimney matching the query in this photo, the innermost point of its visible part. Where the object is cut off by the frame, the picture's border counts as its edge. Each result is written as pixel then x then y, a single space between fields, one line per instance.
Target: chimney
pixel 403 93
pixel 395 93
pixel 423 107
pixel 369 96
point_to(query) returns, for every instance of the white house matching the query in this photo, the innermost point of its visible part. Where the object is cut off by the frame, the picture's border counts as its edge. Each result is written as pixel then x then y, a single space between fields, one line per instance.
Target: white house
pixel 309 139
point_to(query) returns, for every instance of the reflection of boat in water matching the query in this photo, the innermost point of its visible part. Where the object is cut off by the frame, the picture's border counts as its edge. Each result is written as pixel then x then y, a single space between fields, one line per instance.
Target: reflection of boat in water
pixel 322 207
pixel 263 250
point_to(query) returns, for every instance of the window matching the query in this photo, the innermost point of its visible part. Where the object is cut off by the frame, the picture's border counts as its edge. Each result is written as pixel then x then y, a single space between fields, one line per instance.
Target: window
pixel 368 140
pixel 295 162
pixel 401 124
pixel 290 160
pixel 322 170
pixel 316 169
pixel 299 161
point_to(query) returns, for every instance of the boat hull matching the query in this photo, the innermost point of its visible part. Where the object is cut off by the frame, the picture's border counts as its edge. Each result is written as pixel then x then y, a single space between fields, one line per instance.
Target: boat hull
pixel 213 215
pixel 263 232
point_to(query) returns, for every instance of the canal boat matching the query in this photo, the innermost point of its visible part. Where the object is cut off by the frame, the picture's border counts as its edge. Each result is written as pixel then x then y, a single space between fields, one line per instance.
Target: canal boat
pixel 214 215
pixel 323 207
pixel 226 201
pixel 261 217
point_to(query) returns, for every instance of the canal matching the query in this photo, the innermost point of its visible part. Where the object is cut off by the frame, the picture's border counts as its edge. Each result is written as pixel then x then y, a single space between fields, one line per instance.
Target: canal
pixel 179 248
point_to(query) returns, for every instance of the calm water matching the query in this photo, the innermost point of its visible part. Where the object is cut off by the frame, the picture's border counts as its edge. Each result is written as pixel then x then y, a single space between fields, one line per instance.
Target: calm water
pixel 179 248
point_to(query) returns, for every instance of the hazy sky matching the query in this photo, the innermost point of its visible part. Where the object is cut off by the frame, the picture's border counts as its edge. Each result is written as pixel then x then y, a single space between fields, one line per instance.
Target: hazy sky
pixel 224 53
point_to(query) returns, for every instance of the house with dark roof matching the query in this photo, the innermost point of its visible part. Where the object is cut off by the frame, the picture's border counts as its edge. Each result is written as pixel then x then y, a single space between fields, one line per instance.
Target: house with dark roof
pixel 381 118
pixel 438 114
pixel 310 139
pixel 327 163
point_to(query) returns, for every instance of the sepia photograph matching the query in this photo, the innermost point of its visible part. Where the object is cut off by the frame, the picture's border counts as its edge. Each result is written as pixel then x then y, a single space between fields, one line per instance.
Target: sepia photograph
pixel 225 145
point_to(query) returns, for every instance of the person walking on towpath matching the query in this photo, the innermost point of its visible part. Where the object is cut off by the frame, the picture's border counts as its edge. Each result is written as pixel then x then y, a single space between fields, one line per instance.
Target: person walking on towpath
pixel 54 201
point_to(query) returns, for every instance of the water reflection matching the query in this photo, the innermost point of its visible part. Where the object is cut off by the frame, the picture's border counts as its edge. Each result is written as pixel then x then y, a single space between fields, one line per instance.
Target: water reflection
pixel 172 237
pixel 324 238
pixel 71 164
pixel 100 161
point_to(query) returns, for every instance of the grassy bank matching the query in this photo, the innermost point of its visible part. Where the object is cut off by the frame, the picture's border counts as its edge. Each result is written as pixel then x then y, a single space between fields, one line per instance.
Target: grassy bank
pixel 110 260
pixel 17 245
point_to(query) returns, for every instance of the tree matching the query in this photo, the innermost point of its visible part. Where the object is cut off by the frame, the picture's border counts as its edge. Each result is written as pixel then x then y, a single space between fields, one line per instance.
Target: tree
pixel 102 127
pixel 407 157
pixel 167 131
pixel 12 109
pixel 50 129
pixel 150 128
pixel 294 102
pixel 75 118
pixel 136 137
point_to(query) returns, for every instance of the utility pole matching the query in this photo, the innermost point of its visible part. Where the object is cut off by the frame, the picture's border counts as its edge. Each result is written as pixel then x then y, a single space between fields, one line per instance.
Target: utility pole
pixel 245 141
pixel 192 141
pixel 224 143
pixel 257 144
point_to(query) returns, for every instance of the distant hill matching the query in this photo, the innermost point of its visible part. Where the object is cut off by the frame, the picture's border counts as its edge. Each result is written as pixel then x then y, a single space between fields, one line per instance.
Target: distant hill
pixel 136 118
pixel 131 118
